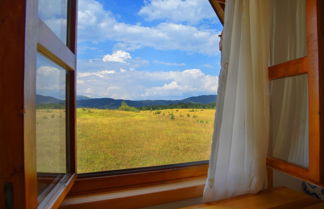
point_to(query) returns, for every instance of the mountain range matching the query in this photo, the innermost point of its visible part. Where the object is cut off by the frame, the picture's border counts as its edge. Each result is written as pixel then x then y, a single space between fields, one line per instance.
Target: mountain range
pixel 109 103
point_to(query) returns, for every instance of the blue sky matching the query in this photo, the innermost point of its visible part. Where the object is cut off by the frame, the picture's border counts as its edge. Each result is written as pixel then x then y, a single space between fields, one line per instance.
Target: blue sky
pixel 147 49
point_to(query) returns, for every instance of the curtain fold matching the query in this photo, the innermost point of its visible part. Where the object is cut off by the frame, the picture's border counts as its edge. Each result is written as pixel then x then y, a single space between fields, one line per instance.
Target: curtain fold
pixel 289 119
pixel 289 95
pixel 241 132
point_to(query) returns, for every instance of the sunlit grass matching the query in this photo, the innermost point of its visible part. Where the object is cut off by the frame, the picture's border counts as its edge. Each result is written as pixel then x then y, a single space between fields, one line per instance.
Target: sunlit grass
pixel 113 139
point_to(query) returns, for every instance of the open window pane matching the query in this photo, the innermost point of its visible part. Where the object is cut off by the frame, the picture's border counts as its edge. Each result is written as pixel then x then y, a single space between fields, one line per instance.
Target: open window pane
pixel 289 119
pixel 54 14
pixel 51 146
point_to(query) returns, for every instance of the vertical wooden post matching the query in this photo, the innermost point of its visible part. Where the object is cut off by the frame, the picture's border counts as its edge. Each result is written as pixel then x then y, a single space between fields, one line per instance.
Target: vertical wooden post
pixel 320 26
pixel 72 44
pixel 17 162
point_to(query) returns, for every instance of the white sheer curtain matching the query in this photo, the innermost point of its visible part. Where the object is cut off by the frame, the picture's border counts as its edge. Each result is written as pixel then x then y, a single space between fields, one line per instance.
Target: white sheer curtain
pixel 289 119
pixel 289 96
pixel 240 141
pixel 288 34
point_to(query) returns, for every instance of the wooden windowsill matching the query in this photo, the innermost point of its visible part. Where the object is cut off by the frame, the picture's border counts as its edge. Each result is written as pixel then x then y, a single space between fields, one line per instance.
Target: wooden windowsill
pixel 137 197
pixel 106 183
pixel 278 198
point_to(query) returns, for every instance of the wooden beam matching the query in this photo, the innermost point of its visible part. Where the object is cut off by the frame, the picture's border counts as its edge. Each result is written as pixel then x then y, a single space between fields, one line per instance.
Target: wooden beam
pixel 290 68
pixel 219 8
pixel 51 46
pixel 320 22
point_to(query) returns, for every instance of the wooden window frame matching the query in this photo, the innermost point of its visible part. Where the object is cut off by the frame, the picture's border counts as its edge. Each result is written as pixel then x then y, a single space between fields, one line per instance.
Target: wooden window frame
pixel 111 180
pixel 313 67
pixel 219 8
pixel 63 54
pixel 24 35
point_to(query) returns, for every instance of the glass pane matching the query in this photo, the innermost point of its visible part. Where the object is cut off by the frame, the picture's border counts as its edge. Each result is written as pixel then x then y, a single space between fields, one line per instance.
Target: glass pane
pixel 289 119
pixel 146 87
pixel 54 14
pixel 288 31
pixel 50 123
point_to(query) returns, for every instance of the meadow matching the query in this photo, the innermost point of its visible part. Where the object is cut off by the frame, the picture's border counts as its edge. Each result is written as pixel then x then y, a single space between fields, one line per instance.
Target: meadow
pixel 117 139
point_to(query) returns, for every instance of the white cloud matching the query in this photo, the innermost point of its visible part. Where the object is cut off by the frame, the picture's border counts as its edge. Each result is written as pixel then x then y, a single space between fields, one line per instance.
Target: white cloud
pixel 100 74
pixel 96 65
pixel 189 11
pixel 126 46
pixel 97 24
pixel 169 63
pixel 208 65
pixel 134 84
pixel 117 56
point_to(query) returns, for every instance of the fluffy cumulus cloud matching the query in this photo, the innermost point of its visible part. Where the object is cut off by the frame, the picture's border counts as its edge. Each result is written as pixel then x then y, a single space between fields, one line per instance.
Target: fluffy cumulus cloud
pixel 117 56
pixel 98 24
pixel 116 75
pixel 120 73
pixel 134 84
pixel 188 11
pixel 116 60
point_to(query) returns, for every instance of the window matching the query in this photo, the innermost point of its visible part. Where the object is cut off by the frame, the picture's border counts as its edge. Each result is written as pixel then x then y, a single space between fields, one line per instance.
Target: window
pixel 147 81
pixel 37 160
pixel 294 79
pixel 51 129
pixel 53 98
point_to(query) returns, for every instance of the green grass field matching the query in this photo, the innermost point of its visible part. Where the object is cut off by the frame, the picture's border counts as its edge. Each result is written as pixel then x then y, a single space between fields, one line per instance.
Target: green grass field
pixel 114 139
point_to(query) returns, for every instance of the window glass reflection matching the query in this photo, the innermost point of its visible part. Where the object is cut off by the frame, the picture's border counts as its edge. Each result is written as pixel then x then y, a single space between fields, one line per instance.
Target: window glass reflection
pixel 54 14
pixel 50 123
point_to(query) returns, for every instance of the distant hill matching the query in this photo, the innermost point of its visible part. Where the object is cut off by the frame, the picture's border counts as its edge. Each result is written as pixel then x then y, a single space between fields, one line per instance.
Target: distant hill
pixel 40 99
pixel 108 103
pixel 47 102
pixel 203 99
pixel 81 97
